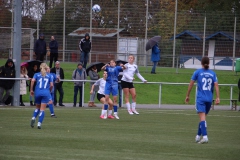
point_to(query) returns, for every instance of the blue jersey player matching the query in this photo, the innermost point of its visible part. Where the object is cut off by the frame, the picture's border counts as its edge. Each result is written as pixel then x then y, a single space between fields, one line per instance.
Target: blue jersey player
pixel 111 86
pixel 50 103
pixel 44 84
pixel 206 82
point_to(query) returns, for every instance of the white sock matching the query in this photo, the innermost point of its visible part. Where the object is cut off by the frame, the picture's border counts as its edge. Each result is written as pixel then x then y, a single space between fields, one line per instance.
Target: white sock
pixel 128 106
pixel 39 123
pixel 197 136
pixel 102 113
pixel 33 118
pixel 205 137
pixel 109 112
pixel 133 106
pixel 115 113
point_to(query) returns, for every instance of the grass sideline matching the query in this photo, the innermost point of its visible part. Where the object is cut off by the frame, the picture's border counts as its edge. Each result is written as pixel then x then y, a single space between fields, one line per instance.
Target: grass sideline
pixel 148 93
pixel 155 134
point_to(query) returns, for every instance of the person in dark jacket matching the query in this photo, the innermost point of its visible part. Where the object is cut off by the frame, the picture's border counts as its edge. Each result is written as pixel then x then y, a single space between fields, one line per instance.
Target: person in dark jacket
pixel 53 45
pixel 85 46
pixel 40 48
pixel 155 57
pixel 6 71
pixel 33 69
pixel 58 84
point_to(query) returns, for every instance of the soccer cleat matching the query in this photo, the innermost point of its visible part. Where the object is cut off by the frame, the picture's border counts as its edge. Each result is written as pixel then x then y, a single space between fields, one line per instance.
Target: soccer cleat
pixel 110 117
pixel 197 139
pixel 116 116
pixel 135 112
pixel 53 116
pixel 203 140
pixel 32 123
pixel 39 127
pixel 102 116
pixel 130 112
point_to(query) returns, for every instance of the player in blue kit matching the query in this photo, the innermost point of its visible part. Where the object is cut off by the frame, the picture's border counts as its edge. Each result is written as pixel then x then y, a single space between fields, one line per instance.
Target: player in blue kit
pixel 206 82
pixel 50 103
pixel 44 84
pixel 111 85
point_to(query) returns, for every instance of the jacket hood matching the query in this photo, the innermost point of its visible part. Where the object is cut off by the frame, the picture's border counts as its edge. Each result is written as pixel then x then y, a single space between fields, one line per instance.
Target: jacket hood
pixel 9 60
pixel 87 35
pixel 41 35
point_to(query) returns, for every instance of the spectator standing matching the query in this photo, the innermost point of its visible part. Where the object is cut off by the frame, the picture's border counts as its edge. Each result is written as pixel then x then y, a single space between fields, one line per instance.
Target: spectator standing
pixel 93 76
pixel 53 45
pixel 85 46
pixel 155 57
pixel 23 83
pixel 78 74
pixel 40 48
pixel 6 71
pixel 58 84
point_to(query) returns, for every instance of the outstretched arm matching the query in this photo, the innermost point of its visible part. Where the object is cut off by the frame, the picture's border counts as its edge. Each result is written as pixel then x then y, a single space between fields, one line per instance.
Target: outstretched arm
pixel 141 77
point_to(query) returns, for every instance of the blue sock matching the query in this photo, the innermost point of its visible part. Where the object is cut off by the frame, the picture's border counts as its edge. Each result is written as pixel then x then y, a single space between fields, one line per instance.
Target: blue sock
pixel 105 107
pixel 51 108
pixel 36 112
pixel 199 129
pixel 41 116
pixel 115 108
pixel 203 128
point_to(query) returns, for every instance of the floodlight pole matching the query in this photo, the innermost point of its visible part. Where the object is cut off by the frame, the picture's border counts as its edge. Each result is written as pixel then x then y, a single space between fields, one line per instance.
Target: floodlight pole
pixel 174 39
pixel 118 28
pixel 146 31
pixel 17 41
pixel 234 42
pixel 90 54
pixel 64 19
pixel 204 35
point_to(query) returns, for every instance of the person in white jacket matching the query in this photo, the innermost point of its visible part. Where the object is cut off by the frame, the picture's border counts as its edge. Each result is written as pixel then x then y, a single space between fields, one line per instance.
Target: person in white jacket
pixel 23 83
pixel 127 84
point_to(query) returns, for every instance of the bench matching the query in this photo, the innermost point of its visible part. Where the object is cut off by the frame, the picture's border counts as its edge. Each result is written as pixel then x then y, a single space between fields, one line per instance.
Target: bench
pixel 233 103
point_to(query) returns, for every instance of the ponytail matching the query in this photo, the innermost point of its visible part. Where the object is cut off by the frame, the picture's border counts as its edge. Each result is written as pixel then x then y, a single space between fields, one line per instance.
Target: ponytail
pixel 43 68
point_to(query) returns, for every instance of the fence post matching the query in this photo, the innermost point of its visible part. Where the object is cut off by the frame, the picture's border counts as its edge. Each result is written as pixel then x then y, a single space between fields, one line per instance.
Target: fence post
pixel 83 85
pixel 231 93
pixel 160 95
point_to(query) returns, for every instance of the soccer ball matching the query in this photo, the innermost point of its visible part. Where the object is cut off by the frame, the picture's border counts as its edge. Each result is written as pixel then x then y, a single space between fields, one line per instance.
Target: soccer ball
pixel 96 8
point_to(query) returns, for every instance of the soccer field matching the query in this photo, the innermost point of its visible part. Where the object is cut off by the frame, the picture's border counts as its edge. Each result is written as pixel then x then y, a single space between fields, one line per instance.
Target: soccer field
pixel 78 133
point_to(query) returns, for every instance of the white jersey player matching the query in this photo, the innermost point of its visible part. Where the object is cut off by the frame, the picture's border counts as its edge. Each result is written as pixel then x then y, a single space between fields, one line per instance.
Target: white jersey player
pixel 127 84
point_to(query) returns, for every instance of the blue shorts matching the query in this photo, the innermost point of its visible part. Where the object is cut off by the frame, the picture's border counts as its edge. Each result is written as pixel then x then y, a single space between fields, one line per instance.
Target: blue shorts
pixel 111 88
pixel 203 107
pixel 43 98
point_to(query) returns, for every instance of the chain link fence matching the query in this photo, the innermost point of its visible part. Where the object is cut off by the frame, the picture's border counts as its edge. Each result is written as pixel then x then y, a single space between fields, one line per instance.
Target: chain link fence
pixel 122 28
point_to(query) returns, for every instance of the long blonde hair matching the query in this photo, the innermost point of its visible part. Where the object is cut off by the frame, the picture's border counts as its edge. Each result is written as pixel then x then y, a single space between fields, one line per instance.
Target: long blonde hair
pixel 43 68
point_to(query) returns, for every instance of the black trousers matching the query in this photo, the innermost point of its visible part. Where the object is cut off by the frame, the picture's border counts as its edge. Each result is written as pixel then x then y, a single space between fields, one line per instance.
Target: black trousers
pixel 53 56
pixel 40 57
pixel 58 87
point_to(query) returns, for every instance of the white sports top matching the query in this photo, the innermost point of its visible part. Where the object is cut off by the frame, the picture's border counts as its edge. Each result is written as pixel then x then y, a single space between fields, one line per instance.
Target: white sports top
pixel 101 83
pixel 128 73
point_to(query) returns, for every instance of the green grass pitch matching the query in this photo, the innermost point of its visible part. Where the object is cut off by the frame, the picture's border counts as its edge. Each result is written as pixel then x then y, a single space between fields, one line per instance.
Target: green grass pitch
pixel 155 134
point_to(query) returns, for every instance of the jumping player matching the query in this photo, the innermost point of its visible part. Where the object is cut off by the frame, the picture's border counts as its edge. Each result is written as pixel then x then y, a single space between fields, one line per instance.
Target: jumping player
pixel 111 85
pixel 127 83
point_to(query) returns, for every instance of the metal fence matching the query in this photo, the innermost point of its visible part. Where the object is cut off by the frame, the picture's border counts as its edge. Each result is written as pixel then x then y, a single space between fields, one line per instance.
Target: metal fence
pixel 158 90
pixel 123 27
